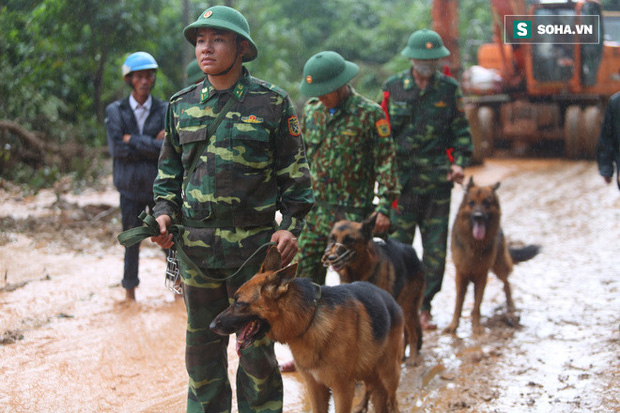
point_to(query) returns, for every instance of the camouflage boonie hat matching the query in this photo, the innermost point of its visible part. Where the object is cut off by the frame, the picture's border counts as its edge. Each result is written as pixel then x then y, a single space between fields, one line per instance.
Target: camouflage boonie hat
pixel 325 72
pixel 222 17
pixel 425 44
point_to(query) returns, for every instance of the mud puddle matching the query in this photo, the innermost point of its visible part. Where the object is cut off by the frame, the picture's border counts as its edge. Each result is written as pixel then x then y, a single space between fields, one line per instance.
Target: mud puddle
pixel 68 343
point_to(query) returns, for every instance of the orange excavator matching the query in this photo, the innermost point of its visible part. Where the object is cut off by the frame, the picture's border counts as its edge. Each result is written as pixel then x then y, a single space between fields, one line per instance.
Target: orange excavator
pixel 519 94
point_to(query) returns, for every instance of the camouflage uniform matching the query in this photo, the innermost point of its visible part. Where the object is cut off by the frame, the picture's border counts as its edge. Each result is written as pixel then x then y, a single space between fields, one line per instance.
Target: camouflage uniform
pixel 425 124
pixel 252 166
pixel 348 151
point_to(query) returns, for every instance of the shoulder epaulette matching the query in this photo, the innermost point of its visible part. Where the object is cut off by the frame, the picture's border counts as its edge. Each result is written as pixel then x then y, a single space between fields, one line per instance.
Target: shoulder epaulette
pixel 184 91
pixel 447 79
pixel 269 86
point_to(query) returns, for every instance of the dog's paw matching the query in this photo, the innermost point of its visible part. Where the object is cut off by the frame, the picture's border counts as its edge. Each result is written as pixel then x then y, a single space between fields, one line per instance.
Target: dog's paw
pixel 450 329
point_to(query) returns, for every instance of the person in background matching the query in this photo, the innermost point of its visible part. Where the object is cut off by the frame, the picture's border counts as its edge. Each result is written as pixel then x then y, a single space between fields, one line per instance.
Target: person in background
pixel 135 132
pixel 608 146
pixel 232 157
pixel 433 146
pixel 193 73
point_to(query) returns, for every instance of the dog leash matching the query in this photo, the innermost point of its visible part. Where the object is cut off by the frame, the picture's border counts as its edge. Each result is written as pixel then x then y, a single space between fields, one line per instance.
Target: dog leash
pixel 150 228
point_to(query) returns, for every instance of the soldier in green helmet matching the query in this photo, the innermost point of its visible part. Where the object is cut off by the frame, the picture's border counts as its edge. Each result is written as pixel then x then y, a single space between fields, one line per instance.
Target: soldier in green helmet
pixel 224 184
pixel 349 149
pixel 433 146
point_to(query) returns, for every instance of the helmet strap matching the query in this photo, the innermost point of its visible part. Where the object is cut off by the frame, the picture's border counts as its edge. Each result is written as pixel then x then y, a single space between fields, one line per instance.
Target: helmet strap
pixel 237 54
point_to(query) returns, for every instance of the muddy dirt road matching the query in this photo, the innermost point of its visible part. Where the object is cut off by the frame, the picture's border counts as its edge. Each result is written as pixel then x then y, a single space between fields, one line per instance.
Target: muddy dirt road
pixel 70 344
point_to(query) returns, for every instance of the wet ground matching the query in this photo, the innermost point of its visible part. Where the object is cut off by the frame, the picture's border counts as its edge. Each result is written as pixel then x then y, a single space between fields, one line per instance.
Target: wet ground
pixel 68 342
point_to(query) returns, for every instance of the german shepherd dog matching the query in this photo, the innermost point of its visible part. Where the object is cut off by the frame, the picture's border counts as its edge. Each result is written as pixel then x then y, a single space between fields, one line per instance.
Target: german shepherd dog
pixel 337 335
pixel 478 245
pixel 390 265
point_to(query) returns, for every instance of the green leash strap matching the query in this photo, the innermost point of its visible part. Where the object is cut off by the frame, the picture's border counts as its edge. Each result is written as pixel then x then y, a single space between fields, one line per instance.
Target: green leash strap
pixel 150 228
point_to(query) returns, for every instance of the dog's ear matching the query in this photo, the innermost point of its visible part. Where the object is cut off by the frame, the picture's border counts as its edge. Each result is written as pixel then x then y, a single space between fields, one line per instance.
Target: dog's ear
pixel 280 280
pixel 470 184
pixel 369 225
pixel 273 260
pixel 495 187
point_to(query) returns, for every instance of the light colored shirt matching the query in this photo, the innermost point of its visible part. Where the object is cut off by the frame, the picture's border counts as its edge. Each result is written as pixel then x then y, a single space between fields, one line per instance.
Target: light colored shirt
pixel 141 112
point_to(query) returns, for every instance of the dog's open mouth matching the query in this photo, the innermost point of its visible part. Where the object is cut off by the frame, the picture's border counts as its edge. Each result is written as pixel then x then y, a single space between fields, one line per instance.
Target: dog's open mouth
pixel 247 334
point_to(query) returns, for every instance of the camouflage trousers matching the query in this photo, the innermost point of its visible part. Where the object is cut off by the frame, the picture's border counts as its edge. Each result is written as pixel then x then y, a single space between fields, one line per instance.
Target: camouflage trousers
pixel 313 239
pixel 430 212
pixel 259 383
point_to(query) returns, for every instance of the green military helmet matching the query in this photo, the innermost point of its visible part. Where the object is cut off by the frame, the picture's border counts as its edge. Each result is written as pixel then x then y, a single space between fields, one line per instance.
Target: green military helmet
pixel 325 72
pixel 194 73
pixel 425 44
pixel 223 17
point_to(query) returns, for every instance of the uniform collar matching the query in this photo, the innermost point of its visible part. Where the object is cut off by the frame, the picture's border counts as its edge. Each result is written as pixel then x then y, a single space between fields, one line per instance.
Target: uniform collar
pixel 410 84
pixel 346 106
pixel 238 91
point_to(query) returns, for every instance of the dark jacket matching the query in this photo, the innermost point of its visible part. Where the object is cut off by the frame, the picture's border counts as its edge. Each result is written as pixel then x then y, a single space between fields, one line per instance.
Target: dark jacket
pixel 135 163
pixel 608 148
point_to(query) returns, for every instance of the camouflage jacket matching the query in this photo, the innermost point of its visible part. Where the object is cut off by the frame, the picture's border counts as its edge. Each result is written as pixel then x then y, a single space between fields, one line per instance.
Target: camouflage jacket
pixel 348 152
pixel 425 124
pixel 252 166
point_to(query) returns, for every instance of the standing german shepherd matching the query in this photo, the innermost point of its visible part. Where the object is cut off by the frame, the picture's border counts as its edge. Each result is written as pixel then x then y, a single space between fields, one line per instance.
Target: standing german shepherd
pixel 337 335
pixel 390 265
pixel 478 245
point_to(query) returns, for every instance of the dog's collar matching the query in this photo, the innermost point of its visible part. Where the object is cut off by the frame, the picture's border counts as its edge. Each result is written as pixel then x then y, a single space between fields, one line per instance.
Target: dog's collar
pixel 317 297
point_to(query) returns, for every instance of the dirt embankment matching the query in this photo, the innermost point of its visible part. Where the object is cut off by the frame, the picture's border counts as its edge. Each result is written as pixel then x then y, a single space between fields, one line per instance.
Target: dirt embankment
pixel 68 343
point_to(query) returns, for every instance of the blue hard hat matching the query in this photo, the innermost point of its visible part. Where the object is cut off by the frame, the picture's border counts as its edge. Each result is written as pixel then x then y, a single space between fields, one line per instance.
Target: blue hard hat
pixel 138 61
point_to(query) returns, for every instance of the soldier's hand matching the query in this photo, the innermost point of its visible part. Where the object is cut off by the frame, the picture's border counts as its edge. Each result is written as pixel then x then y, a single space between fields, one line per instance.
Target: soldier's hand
pixel 286 244
pixel 161 135
pixel 164 240
pixel 382 224
pixel 456 174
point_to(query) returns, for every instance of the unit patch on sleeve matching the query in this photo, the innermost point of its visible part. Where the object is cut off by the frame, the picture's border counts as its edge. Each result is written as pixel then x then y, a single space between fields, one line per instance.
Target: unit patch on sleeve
pixel 383 128
pixel 293 126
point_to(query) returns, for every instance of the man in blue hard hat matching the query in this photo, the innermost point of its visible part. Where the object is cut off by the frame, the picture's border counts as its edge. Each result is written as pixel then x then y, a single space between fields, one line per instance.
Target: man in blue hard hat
pixel 135 129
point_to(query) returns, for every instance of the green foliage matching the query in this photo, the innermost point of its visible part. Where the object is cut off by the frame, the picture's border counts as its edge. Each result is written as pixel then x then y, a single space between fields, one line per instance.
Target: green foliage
pixel 475 27
pixel 61 60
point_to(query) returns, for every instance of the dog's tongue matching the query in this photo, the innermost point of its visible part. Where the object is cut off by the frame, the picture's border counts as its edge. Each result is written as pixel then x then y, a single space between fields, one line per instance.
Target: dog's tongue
pixel 479 231
pixel 244 336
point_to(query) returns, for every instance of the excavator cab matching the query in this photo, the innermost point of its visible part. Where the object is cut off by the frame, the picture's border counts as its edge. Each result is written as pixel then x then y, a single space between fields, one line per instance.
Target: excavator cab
pixel 572 65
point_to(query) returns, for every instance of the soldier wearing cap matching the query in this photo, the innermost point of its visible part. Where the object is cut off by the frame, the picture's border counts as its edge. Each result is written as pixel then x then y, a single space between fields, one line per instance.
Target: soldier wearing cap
pixel 433 145
pixel 233 155
pixel 349 149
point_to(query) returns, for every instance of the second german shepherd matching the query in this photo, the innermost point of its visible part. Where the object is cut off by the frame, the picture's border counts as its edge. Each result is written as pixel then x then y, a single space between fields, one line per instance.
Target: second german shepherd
pixel 478 245
pixel 390 265
pixel 337 335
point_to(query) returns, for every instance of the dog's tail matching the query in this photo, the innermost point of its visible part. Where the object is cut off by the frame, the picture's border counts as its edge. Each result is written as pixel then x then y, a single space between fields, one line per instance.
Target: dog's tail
pixel 523 253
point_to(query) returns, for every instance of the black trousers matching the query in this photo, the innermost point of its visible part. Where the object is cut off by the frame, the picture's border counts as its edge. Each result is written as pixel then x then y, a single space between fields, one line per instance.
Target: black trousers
pixel 130 210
